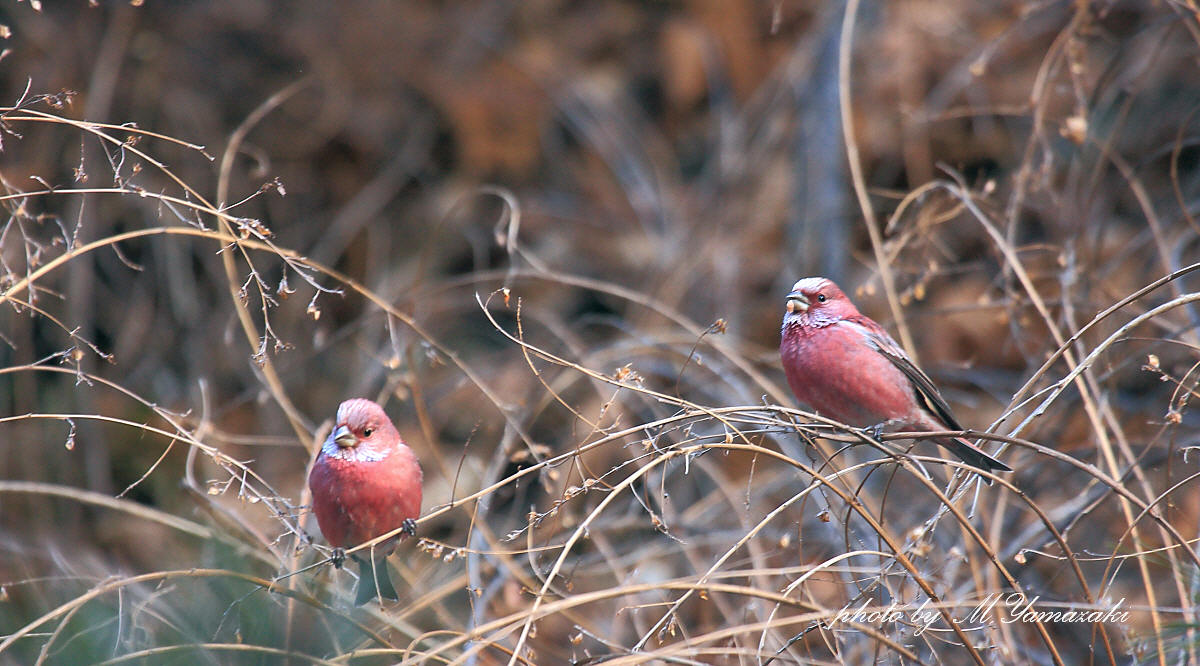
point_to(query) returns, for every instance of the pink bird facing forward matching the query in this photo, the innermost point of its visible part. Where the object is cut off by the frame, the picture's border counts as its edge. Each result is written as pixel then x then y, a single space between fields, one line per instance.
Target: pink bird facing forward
pixel 365 483
pixel 846 367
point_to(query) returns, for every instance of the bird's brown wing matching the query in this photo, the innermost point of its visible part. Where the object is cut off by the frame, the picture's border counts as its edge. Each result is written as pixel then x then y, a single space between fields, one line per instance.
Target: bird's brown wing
pixel 927 393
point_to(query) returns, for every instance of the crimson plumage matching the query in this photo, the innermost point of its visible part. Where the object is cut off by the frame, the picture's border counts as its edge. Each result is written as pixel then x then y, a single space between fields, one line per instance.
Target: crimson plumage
pixel 846 367
pixel 365 483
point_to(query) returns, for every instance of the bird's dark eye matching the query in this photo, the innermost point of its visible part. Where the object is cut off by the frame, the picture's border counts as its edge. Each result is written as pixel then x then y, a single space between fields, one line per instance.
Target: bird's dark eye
pixel 821 298
pixel 367 432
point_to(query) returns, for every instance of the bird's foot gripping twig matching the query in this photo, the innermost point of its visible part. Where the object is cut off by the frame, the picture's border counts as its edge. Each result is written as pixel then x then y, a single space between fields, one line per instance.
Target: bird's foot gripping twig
pixel 409 526
pixel 876 430
pixel 338 558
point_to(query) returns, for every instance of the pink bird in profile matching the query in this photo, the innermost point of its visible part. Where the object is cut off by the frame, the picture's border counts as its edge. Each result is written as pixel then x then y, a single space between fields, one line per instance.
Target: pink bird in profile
pixel 365 483
pixel 846 367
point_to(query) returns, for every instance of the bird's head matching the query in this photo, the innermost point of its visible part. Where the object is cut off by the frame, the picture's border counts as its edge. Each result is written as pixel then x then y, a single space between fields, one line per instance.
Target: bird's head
pixel 815 300
pixel 363 432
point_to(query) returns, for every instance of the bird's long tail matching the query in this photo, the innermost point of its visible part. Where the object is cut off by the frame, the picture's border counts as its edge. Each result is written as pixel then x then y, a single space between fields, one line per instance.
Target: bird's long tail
pixel 373 579
pixel 973 456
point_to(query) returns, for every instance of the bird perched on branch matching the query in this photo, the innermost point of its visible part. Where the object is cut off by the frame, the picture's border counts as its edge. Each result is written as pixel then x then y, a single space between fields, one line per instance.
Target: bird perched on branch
pixel 846 367
pixel 365 483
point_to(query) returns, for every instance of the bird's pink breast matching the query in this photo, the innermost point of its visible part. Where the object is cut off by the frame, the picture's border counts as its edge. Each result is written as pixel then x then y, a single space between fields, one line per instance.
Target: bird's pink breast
pixel 356 501
pixel 834 370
